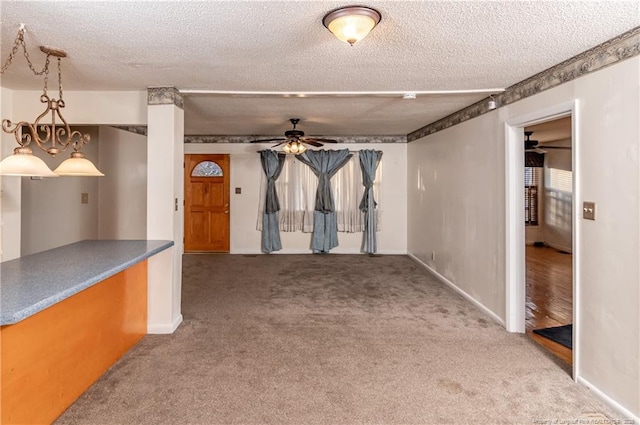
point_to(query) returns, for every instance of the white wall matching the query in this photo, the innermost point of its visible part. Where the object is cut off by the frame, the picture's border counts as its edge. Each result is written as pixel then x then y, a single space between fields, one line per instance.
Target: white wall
pixel 10 188
pixel 165 214
pixel 123 189
pixel 456 208
pixel 555 223
pixel 246 173
pixel 52 212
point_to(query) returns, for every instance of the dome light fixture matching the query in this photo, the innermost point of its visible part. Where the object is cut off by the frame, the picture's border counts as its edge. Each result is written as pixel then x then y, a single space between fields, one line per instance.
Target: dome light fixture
pixel 352 23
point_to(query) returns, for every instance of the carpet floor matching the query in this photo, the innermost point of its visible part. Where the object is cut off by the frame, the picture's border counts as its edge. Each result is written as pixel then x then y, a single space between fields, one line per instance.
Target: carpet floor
pixel 331 339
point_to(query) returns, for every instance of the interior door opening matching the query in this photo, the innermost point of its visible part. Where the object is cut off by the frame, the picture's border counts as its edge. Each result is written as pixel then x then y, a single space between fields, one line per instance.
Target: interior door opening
pixel 516 264
pixel 548 204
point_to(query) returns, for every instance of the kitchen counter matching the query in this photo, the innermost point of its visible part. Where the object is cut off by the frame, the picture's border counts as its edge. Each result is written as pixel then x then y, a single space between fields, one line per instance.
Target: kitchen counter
pixel 34 282
pixel 68 314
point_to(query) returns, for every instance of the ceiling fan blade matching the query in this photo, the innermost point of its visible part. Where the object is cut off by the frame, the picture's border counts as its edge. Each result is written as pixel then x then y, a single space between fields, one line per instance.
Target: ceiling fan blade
pixel 554 147
pixel 267 140
pixel 312 143
pixel 278 144
pixel 317 139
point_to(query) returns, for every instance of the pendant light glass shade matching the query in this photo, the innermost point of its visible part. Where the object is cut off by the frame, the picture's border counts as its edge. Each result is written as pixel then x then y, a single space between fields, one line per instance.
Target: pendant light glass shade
pixel 24 163
pixel 351 24
pixel 77 165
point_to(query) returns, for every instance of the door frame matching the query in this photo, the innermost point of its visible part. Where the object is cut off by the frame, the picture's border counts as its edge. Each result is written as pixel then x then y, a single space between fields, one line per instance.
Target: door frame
pixel 187 181
pixel 515 261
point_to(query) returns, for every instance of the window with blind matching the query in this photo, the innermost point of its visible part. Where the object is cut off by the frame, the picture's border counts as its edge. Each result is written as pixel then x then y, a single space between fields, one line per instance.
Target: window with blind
pixel 531 183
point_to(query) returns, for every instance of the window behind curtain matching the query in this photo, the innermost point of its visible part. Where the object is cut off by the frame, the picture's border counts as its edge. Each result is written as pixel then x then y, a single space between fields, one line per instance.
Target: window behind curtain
pixel 296 189
pixel 531 183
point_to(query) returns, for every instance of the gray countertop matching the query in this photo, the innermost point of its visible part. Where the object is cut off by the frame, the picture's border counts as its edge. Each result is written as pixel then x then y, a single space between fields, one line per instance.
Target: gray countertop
pixel 34 282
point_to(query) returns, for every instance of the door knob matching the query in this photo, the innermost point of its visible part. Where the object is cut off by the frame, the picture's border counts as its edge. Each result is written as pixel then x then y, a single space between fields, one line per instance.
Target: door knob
pixel 226 212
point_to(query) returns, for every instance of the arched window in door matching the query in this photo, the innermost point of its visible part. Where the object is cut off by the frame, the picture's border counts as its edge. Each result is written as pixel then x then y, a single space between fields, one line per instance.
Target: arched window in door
pixel 206 169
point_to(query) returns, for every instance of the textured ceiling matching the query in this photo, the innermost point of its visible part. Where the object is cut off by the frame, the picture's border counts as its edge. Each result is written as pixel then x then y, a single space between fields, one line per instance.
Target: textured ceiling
pixel 283 46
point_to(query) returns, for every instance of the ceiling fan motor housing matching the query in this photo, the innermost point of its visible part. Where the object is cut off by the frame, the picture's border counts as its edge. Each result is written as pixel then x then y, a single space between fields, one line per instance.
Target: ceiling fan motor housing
pixel 528 143
pixel 294 134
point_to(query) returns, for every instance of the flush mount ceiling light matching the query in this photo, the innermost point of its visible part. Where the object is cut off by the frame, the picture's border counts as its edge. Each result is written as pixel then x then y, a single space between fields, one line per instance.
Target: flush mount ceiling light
pixel 352 23
pixel 51 138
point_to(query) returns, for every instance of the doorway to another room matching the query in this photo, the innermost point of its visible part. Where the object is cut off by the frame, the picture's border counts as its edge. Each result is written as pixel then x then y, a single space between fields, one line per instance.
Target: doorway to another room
pixel 548 175
pixel 206 218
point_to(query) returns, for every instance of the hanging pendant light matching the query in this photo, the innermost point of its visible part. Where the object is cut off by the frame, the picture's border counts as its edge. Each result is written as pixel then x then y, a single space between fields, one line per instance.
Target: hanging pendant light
pixel 52 138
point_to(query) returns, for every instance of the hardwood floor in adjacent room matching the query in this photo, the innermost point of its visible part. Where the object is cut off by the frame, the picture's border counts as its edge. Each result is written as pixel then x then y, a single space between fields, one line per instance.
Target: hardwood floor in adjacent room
pixel 549 295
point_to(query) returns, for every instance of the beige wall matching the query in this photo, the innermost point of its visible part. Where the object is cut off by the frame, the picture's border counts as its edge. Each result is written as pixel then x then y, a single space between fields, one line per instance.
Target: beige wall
pixel 52 214
pixel 246 173
pixel 86 108
pixel 123 189
pixel 89 107
pixel 456 208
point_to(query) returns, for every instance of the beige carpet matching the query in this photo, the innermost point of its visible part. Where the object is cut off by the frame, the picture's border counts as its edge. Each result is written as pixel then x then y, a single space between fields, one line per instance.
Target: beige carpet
pixel 330 339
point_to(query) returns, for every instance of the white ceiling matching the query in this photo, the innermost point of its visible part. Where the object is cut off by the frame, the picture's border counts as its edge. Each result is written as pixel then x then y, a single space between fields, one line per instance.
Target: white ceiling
pixel 553 132
pixel 283 46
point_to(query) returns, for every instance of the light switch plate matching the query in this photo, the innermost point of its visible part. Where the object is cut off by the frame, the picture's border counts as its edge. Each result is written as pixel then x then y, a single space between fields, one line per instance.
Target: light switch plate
pixel 589 210
pixel 84 198
pixel 238 190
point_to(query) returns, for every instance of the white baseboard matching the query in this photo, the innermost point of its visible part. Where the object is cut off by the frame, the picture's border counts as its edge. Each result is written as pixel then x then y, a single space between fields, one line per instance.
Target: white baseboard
pixel 308 251
pixel 608 400
pixel 453 286
pixel 164 328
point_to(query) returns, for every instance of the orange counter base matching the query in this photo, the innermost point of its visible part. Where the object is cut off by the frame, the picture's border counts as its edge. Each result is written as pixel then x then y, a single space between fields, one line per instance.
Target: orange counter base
pixel 51 358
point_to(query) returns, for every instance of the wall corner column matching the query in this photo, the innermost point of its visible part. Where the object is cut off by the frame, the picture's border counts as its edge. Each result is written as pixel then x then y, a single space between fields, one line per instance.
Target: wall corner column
pixel 165 214
pixel 10 190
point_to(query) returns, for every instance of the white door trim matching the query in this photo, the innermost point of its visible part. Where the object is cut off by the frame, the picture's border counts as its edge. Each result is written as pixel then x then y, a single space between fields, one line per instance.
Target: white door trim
pixel 515 235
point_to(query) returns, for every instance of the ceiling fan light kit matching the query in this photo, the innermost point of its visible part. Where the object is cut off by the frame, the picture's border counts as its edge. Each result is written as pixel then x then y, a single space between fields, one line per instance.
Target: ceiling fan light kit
pixel 294 140
pixel 352 23
pixel 294 147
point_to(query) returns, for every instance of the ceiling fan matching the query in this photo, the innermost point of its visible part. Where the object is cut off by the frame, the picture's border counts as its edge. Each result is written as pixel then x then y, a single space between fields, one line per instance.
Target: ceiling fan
pixel 532 145
pixel 294 139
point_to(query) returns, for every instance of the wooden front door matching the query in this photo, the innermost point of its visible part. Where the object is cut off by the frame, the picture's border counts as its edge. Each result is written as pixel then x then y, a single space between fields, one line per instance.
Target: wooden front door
pixel 206 218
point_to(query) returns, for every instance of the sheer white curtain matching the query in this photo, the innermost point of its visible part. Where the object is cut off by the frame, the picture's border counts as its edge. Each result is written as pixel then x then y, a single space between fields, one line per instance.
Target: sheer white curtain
pixel 296 188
